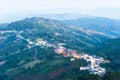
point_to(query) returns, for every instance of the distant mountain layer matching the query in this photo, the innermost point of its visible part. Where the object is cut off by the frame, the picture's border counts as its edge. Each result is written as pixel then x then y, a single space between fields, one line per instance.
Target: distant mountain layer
pixel 64 16
pixel 105 25
pixel 23 57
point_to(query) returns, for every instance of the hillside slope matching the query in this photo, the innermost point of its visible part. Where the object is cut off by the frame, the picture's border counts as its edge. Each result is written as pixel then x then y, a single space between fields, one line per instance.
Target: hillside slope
pixel 110 49
pixel 101 24
pixel 27 49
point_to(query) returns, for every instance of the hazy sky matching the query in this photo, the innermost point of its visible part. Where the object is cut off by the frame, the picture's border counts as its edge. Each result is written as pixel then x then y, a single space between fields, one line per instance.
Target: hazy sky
pixel 7 6
pixel 12 10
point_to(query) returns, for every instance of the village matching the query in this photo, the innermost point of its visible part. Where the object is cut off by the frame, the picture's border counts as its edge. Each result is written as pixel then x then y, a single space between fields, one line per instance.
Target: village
pixel 93 61
pixel 67 52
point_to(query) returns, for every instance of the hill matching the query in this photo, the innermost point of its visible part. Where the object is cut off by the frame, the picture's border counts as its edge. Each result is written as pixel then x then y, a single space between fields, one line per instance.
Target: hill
pixel 27 49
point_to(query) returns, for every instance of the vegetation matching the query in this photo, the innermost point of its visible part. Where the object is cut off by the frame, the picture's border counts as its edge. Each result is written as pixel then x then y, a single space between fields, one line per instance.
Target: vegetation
pixel 40 62
pixel 101 24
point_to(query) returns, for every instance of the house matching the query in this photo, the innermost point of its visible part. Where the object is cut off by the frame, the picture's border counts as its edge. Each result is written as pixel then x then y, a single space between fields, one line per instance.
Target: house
pixel 60 50
pixel 76 56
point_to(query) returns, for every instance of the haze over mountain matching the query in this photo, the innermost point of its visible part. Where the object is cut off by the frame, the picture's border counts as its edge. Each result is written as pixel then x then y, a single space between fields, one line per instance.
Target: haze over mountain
pixel 19 9
pixel 110 12
pixel 101 12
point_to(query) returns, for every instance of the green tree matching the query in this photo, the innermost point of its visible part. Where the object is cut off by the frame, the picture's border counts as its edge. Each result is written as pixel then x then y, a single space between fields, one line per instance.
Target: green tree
pixel 94 77
pixel 112 76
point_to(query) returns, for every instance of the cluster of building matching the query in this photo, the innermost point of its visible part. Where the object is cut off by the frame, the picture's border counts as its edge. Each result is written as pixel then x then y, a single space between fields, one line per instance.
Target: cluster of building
pixel 66 52
pixel 10 31
pixel 42 42
pixel 93 61
pixel 94 66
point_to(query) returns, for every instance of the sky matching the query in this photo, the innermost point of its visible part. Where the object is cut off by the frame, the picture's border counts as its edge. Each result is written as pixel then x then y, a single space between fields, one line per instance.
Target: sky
pixel 8 6
pixel 12 10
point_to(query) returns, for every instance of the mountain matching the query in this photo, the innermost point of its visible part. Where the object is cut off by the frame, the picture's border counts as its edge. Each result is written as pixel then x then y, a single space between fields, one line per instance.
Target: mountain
pixel 105 25
pixel 111 26
pixel 64 16
pixel 109 12
pixel 27 49
pixel 50 28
